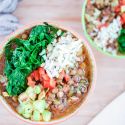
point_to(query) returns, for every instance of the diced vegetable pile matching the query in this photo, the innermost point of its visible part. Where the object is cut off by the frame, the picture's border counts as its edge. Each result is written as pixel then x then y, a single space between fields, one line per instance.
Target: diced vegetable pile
pixel 105 23
pixel 32 107
pixel 45 73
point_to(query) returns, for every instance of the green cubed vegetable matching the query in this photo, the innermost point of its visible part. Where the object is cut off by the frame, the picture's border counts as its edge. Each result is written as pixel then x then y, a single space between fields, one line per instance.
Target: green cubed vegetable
pixel 26 115
pixel 46 115
pixel 25 108
pixel 39 105
pixel 36 116
pixel 20 109
pixel 23 98
pixel 28 108
pixel 30 92
pixel 37 89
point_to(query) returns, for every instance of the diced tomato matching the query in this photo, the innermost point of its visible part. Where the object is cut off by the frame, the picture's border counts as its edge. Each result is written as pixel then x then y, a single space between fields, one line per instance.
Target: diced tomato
pixel 46 84
pixel 123 18
pixel 117 9
pixel 102 25
pixel 66 78
pixel 30 82
pixel 29 79
pixel 41 75
pixel 36 75
pixel 49 84
pixel 52 83
pixel 41 71
pixel 32 74
pixel 122 2
pixel 45 77
pixel 89 2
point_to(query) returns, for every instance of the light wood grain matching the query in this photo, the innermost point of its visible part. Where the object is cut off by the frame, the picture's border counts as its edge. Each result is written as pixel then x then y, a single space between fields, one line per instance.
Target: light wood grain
pixel 111 72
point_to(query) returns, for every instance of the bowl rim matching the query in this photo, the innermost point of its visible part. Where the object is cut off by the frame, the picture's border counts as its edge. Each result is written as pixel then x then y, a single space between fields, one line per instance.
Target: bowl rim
pixel 94 72
pixel 89 38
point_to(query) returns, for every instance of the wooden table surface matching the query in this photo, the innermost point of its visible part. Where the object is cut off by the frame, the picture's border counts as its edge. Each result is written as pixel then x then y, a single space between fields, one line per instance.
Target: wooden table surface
pixel 111 72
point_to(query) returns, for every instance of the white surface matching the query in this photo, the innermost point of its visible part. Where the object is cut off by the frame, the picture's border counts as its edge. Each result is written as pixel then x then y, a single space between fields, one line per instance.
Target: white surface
pixel 113 114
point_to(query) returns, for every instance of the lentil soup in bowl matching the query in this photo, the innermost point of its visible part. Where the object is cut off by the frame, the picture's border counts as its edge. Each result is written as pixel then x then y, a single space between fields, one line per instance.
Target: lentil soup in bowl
pixel 104 25
pixel 46 73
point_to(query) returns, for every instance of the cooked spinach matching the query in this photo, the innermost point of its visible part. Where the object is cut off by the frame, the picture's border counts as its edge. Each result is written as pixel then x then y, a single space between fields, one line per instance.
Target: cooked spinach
pixel 121 42
pixel 22 56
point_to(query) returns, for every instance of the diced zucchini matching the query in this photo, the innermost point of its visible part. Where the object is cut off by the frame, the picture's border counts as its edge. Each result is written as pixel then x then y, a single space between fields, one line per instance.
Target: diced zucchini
pixel 28 108
pixel 23 98
pixel 37 89
pixel 39 105
pixel 25 109
pixel 30 92
pixel 36 116
pixel 46 115
pixel 26 115
pixel 20 109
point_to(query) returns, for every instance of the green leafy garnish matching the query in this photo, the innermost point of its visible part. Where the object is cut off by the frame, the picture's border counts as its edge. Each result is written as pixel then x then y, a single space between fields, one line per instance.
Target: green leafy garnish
pixel 121 42
pixel 23 56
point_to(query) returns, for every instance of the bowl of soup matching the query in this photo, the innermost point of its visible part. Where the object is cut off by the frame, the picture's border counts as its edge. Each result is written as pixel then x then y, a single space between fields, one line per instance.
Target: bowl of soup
pixel 46 73
pixel 104 25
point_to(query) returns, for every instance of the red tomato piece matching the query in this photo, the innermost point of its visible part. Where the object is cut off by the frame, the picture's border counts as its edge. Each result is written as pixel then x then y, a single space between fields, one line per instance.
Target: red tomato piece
pixel 52 83
pixel 41 71
pixel 66 78
pixel 36 75
pixel 102 25
pixel 117 9
pixel 123 18
pixel 89 2
pixel 122 2
pixel 32 74
pixel 30 82
pixel 46 84
pixel 45 77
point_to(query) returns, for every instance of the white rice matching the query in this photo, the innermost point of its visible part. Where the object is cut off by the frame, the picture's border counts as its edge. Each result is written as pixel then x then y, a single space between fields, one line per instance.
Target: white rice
pixel 62 56
pixel 108 35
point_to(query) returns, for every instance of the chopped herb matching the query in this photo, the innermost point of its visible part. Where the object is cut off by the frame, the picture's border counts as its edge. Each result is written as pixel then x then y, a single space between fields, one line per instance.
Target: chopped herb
pixel 121 42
